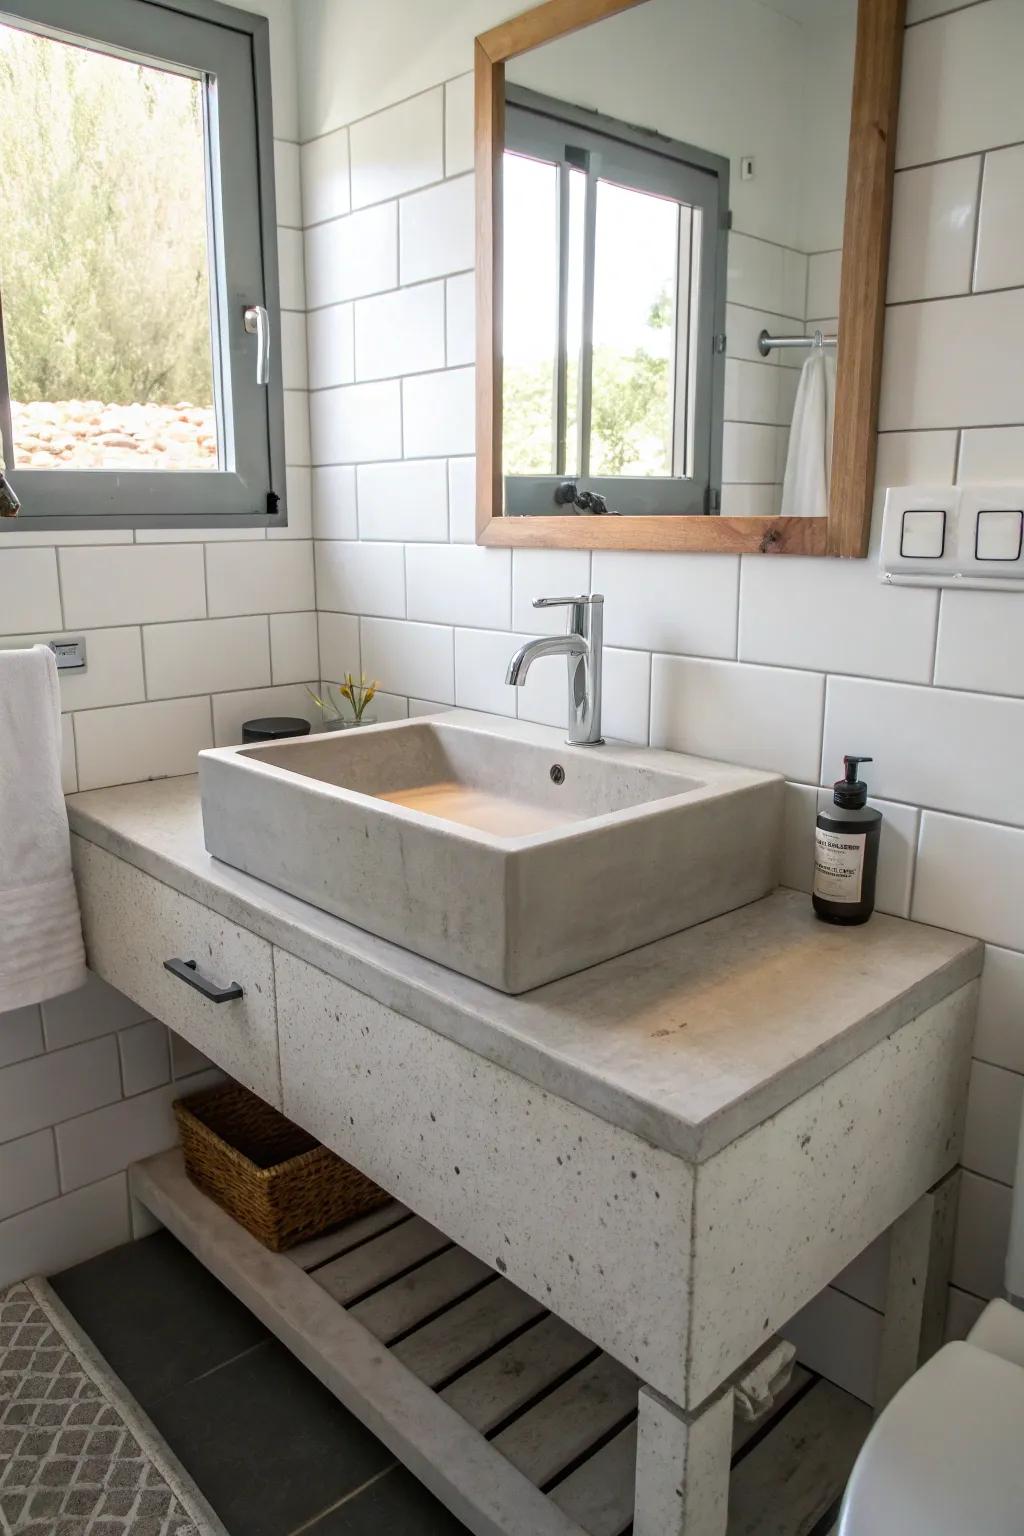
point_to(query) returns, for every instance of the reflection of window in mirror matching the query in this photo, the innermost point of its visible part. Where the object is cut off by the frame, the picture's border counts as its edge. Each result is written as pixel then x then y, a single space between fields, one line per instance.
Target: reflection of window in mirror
pixel 673 202
pixel 614 248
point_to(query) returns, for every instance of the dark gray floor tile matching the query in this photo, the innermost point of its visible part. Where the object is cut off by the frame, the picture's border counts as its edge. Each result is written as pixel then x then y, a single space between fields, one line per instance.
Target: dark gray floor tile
pixel 396 1505
pixel 156 1314
pixel 267 1444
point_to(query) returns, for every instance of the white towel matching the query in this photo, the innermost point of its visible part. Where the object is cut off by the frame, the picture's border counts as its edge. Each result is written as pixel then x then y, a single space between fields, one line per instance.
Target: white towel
pixel 809 460
pixel 41 950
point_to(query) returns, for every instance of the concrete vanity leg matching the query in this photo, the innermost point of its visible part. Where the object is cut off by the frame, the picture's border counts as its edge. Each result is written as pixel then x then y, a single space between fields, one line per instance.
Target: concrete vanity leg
pixel 920 1256
pixel 682 1467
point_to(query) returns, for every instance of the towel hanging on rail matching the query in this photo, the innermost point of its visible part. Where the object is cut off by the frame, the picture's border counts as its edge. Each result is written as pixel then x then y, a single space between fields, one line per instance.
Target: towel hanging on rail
pixel 809 459
pixel 41 951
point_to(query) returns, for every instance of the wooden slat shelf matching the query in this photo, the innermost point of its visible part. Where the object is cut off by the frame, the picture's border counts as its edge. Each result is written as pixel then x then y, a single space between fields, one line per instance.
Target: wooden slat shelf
pixel 512 1418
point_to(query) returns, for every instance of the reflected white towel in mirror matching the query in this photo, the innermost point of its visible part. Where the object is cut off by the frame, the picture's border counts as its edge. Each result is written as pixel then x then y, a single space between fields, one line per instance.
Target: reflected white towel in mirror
pixel 809 460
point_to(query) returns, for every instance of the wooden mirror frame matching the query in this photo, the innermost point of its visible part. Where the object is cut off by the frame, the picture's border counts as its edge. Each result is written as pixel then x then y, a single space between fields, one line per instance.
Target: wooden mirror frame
pixel 876 83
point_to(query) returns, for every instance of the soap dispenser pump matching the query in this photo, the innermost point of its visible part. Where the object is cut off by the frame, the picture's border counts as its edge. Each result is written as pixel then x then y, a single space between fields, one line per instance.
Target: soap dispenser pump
pixel 846 841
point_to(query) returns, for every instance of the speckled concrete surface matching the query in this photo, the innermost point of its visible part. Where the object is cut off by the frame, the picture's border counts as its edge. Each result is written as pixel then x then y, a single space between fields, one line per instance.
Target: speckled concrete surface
pixel 132 924
pixel 679 1271
pixel 512 911
pixel 782 1210
pixel 688 1043
pixel 591 1220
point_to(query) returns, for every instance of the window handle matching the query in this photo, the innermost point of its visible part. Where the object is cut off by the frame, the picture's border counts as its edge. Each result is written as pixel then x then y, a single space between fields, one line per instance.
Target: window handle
pixel 568 494
pixel 257 323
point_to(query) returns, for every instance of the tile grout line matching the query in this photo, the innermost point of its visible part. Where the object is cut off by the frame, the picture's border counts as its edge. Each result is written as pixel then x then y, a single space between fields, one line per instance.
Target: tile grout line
pixel 380 111
pixel 74 747
pixel 976 232
pixel 969 154
pixel 397 378
pixel 220 1366
pixel 393 199
pixel 60 586
pixel 915 856
pixel 954 10
pixel 695 657
pixel 70 1193
pixel 314 1521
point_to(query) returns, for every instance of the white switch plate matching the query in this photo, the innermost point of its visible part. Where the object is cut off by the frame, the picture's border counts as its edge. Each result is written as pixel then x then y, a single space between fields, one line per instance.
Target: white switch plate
pixel 958 565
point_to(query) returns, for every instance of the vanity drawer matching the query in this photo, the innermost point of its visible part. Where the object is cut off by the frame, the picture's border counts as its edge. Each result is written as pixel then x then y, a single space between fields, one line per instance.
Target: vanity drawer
pixel 133 923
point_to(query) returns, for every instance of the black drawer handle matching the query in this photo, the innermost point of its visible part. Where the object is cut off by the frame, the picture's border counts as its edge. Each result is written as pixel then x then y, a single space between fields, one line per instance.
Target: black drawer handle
pixel 188 972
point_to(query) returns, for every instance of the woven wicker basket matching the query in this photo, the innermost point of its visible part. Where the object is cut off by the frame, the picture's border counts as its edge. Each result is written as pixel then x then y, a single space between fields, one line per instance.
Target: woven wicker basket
pixel 270 1175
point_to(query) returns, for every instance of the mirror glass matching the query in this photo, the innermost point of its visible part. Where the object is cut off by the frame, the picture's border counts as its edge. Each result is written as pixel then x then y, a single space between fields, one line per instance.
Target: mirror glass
pixel 674 180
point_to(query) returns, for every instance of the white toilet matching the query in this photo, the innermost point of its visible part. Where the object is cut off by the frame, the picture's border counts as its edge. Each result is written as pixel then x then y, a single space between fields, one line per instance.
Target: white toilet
pixel 946 1457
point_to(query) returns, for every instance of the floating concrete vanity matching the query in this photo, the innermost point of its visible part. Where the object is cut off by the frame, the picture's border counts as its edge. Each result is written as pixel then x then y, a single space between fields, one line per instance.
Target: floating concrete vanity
pixel 671 1152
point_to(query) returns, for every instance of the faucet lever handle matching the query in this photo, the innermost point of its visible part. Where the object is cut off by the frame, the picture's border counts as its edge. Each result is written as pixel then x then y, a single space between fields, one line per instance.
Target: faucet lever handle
pixel 568 602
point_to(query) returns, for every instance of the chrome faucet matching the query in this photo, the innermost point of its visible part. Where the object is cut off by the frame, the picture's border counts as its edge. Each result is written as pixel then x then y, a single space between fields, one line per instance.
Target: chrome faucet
pixel 581 646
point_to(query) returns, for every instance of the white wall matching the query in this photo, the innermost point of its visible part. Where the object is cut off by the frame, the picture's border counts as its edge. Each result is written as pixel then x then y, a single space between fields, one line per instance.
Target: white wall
pixel 781 664
pixel 186 637
pixel 86 1086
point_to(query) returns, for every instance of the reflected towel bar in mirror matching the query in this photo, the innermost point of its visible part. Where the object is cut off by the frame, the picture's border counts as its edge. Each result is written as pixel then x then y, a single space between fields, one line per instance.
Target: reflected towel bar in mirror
pixel 765 343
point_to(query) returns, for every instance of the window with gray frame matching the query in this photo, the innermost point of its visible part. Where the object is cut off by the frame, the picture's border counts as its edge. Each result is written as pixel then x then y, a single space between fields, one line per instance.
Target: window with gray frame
pixel 613 309
pixel 140 379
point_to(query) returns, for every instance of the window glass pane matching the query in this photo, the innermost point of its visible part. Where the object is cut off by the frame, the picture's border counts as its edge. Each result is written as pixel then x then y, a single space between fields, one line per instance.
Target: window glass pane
pixel 530 319
pixel 635 305
pixel 574 316
pixel 104 266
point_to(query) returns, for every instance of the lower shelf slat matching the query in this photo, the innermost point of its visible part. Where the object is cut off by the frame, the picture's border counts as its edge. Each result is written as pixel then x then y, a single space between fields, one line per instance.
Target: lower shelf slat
pixel 473 1328
pixel 533 1363
pixel 571 1419
pixel 373 1264
pixel 318 1250
pixel 422 1294
pixel 555 1406
pixel 599 1494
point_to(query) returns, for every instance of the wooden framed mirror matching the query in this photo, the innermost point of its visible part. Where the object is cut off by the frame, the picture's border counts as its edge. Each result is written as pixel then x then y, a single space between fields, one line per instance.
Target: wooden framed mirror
pixel 671 197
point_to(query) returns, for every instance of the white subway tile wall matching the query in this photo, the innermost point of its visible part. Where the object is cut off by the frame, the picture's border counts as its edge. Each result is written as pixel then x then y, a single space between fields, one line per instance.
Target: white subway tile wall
pixel 86 1085
pixel 174 620
pixel 778 663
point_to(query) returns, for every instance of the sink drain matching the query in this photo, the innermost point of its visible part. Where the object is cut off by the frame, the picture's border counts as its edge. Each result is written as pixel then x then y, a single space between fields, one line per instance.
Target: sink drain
pixel 557 773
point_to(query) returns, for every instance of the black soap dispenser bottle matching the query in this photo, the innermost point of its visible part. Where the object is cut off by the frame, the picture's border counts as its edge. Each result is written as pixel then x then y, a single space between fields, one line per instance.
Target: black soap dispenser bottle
pixel 846 842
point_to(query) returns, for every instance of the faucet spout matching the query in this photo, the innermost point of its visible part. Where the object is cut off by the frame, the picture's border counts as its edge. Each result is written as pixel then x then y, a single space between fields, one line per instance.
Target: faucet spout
pixel 550 645
pixel 582 648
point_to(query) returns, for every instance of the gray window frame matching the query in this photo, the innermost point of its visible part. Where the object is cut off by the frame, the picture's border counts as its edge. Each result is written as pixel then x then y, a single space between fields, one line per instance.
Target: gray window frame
pixel 541 125
pixel 233 47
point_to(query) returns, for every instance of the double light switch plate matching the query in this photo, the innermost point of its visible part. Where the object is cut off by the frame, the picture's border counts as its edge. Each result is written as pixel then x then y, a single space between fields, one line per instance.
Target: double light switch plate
pixel 954 536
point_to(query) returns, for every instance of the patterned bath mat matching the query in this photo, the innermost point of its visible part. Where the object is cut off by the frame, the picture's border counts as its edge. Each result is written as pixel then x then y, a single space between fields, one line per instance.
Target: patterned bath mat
pixel 77 1456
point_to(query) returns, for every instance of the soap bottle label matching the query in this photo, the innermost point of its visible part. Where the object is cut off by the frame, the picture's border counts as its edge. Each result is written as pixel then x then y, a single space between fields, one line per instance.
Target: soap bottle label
pixel 838 864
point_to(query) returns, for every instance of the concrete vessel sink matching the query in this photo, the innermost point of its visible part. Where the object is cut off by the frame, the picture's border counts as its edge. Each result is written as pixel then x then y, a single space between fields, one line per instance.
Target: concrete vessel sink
pixel 492 846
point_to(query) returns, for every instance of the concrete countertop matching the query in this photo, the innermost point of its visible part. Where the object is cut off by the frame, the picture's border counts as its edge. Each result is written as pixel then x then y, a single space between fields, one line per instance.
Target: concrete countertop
pixel 688 1042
